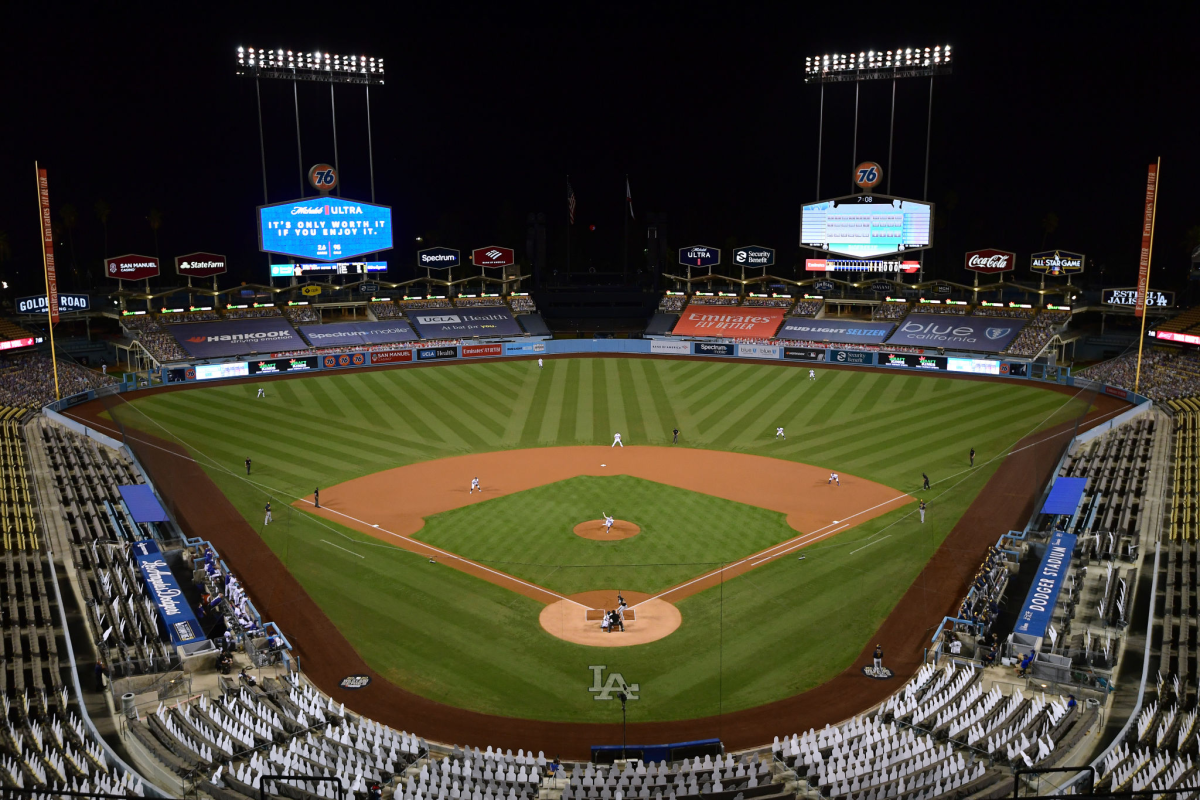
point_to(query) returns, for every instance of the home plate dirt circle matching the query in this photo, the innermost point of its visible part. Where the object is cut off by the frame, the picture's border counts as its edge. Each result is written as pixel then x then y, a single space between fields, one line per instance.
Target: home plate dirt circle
pixel 594 529
pixel 577 619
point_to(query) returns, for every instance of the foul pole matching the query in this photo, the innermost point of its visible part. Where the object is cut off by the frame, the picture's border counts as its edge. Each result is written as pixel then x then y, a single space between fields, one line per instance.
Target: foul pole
pixel 1144 281
pixel 47 265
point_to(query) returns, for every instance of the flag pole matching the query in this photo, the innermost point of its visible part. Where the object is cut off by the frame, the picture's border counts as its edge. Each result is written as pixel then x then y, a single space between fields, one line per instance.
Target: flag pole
pixel 625 235
pixel 46 274
pixel 1137 376
pixel 569 222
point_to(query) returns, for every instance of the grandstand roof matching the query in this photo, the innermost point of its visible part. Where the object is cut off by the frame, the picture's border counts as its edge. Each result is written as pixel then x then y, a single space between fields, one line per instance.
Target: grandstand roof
pixel 1064 496
pixel 142 503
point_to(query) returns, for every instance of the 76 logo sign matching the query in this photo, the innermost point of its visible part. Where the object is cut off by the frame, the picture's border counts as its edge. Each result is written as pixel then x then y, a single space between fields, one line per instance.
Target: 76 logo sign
pixel 867 175
pixel 323 178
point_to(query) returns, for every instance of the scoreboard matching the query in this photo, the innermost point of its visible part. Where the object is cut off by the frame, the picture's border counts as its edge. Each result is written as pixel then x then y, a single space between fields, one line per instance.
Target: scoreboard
pixel 324 228
pixel 867 226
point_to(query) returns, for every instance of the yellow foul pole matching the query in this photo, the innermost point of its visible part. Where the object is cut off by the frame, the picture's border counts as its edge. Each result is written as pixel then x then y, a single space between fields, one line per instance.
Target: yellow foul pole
pixel 47 265
pixel 1144 284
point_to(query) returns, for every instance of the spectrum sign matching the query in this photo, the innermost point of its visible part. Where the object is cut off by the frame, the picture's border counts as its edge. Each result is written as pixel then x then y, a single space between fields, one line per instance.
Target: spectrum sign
pixel 324 228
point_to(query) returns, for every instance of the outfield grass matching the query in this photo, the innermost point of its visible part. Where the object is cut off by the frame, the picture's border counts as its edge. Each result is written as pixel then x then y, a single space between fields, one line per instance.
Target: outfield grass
pixel 529 534
pixel 784 627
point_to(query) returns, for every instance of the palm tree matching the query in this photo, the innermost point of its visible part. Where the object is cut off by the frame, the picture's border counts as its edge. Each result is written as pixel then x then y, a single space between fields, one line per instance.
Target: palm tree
pixel 103 210
pixel 5 251
pixel 1049 226
pixel 70 218
pixel 155 219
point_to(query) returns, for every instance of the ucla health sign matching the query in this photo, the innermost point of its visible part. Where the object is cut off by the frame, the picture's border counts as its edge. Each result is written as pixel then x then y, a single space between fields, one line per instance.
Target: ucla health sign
pixel 172 605
pixel 324 228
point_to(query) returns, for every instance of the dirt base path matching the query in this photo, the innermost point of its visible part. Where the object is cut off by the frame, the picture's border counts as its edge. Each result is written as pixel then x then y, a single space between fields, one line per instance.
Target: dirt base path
pixel 202 510
pixel 392 505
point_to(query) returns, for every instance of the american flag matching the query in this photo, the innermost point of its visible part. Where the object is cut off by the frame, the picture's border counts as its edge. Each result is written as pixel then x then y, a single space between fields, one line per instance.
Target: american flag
pixel 570 201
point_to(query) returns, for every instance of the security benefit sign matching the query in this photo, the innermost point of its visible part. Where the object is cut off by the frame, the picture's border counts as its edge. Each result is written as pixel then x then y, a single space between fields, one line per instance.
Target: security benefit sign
pixel 729 321
pixel 1047 583
pixel 753 256
pixel 985 334
pixel 172 605
pixel 324 228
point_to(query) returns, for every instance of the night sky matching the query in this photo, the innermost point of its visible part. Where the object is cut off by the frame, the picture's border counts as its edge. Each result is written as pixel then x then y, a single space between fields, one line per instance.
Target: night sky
pixel 487 110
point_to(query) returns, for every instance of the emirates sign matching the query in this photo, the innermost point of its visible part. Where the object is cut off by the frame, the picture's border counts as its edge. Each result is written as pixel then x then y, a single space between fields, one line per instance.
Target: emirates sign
pixel 990 261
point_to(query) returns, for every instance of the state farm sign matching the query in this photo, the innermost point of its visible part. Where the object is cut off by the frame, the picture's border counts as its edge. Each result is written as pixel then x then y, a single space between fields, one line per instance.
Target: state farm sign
pixel 200 265
pixel 493 257
pixel 990 261
pixel 131 267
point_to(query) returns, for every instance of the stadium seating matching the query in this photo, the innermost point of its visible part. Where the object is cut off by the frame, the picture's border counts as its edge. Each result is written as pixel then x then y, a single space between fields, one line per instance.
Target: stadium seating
pixel 1167 373
pixel 890 312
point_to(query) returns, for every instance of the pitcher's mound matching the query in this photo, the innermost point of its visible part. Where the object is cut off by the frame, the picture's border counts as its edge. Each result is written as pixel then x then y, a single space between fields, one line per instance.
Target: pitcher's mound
pixel 577 619
pixel 594 529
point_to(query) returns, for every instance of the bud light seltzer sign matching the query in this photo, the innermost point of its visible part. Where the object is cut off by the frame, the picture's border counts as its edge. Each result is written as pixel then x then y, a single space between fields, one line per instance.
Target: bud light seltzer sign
pixel 990 261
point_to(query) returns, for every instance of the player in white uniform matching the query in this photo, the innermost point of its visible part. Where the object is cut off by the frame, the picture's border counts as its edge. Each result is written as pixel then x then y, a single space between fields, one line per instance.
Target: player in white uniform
pixel 539 363
pixel 617 441
pixel 261 393
pixel 812 374
pixel 474 486
pixel 608 521
pixel 779 434
pixel 833 478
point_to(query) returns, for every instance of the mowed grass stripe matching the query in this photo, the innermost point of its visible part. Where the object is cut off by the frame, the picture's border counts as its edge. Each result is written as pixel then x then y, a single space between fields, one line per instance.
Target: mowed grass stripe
pixel 585 407
pixel 446 416
pixel 654 421
pixel 554 402
pixel 482 415
pixel 746 410
pixel 618 418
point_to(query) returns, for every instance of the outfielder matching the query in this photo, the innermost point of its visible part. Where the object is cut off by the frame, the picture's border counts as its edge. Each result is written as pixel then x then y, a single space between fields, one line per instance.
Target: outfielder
pixel 617 441
pixel 261 392
pixel 812 374
pixel 779 434
pixel 539 363
pixel 475 485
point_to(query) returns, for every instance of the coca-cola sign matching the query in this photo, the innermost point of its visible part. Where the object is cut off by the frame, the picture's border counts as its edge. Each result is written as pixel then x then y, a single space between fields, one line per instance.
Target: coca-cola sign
pixel 990 261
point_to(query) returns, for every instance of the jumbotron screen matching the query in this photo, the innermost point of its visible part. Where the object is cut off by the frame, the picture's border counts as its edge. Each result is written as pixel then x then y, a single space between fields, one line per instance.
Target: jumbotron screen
pixel 867 226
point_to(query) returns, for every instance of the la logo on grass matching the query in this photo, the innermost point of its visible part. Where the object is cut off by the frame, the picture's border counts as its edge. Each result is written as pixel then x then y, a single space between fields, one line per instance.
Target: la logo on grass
pixel 615 683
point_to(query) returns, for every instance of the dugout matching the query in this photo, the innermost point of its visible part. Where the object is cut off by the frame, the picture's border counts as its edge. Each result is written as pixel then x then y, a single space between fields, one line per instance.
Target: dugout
pixel 610 753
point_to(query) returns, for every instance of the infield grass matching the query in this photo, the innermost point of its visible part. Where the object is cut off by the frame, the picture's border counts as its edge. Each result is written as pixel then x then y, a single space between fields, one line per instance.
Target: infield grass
pixel 780 629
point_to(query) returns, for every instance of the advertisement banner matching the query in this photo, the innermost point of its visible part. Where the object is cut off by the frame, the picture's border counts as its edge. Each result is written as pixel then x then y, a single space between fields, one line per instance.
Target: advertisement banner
pixel 438 258
pixel 990 261
pixel 700 255
pixel 493 257
pixel 523 348
pixel 431 353
pixel 232 369
pixel 342 360
pixel 758 350
pixel 710 349
pixel 324 228
pixel 272 366
pixel 676 348
pixel 1129 298
pixel 753 256
pixel 803 354
pixel 911 361
pixel 1116 391
pixel 1047 583
pixel 201 265
pixel 349 334
pixel 482 350
pixel 14 344
pixel 43 181
pixel 728 321
pixel 1147 238
pixel 173 607
pixel 1018 369
pixel 131 267
pixel 975 366
pixel 834 330
pixel 1056 262
pixel 986 334
pixel 851 357
pixel 237 337
pixel 461 323
pixel 391 356
pixel 1172 336
pixel 67 302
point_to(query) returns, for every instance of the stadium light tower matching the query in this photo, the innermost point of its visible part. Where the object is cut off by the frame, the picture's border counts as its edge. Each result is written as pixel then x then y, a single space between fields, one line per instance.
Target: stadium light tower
pixel 320 67
pixel 877 65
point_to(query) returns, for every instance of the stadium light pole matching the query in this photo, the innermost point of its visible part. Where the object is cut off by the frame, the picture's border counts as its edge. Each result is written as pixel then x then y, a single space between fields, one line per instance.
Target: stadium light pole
pixel 871 65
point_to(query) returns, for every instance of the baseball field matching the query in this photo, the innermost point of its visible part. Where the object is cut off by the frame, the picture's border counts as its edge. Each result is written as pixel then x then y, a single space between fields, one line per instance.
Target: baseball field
pixel 778 578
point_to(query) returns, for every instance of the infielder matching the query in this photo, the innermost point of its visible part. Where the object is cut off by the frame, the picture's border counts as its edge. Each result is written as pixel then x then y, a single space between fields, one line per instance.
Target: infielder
pixel 608 521
pixel 834 479
pixel 617 441
pixel 267 518
pixel 779 434
pixel 475 485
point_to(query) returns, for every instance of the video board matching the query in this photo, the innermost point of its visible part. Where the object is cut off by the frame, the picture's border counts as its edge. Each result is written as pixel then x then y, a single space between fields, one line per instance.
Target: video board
pixel 327 268
pixel 270 366
pixel 231 369
pixel 867 226
pixel 324 228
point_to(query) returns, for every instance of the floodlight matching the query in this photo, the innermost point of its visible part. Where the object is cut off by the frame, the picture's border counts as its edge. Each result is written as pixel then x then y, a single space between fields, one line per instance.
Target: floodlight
pixel 877 64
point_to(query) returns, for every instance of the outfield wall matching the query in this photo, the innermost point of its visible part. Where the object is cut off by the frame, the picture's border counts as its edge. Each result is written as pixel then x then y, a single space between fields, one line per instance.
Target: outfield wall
pixel 916 359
